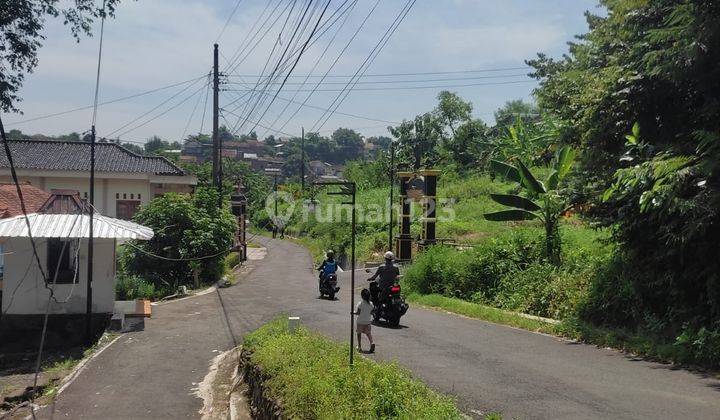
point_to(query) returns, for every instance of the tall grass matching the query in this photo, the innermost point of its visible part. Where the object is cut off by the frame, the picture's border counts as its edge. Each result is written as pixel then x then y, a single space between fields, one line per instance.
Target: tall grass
pixel 311 376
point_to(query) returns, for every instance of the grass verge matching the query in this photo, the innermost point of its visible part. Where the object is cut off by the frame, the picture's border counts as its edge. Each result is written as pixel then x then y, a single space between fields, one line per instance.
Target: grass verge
pixel 637 344
pixel 310 375
pixel 484 312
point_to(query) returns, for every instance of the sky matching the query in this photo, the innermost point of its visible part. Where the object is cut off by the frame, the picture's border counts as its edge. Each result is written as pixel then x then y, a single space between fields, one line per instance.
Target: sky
pixel 153 44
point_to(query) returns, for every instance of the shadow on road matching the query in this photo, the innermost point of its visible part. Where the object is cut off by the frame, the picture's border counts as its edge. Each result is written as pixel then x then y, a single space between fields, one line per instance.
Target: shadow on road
pixel 389 326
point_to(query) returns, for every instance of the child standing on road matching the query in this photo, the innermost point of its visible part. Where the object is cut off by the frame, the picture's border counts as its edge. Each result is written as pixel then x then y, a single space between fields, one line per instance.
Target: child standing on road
pixel 364 318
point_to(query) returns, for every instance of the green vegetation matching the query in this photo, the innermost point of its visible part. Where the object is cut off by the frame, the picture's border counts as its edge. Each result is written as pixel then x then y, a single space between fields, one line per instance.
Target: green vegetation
pixel 484 312
pixel 508 272
pixel 192 237
pixel 311 376
pixel 550 203
pixel 134 287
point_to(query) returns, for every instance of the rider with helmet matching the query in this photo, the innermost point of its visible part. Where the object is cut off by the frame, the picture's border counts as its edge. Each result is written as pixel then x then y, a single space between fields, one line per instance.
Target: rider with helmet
pixel 389 274
pixel 328 266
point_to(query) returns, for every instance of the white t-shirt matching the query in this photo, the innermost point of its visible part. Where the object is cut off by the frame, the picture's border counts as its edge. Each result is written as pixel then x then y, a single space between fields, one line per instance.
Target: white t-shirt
pixel 364 311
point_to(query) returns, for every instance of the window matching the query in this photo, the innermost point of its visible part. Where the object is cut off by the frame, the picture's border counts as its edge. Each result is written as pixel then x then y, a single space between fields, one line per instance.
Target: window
pixel 61 260
pixel 126 209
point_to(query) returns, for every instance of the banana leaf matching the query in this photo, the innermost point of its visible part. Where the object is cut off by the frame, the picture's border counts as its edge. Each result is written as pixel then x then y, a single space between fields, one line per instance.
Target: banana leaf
pixel 516 201
pixel 507 171
pixel 510 215
pixel 529 181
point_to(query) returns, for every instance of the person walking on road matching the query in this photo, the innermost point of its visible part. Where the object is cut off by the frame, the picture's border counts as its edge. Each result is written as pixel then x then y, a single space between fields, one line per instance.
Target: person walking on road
pixel 364 319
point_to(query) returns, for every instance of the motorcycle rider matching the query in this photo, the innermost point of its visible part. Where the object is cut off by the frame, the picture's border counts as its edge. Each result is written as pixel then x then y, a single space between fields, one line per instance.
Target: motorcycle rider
pixel 389 273
pixel 328 266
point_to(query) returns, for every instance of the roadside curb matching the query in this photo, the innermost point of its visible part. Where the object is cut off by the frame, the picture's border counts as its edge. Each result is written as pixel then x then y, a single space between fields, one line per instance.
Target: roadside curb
pixel 70 378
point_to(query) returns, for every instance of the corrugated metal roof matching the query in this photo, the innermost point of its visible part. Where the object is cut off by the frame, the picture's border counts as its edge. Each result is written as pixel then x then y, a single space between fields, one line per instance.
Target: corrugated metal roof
pixel 73 226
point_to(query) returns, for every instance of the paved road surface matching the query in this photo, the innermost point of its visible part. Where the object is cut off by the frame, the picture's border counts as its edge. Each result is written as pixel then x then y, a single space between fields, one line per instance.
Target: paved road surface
pixel 150 374
pixel 488 367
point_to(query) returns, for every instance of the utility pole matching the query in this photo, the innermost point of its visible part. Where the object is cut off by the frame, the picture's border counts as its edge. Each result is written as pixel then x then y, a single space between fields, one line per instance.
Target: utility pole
pixel 348 189
pixel 91 242
pixel 216 162
pixel 392 184
pixel 302 159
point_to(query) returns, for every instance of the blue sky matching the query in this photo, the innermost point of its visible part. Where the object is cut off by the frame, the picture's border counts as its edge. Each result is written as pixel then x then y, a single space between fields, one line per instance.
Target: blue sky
pixel 154 43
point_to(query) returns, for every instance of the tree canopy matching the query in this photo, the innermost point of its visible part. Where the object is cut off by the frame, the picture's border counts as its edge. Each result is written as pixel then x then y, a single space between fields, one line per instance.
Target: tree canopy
pixel 640 95
pixel 21 36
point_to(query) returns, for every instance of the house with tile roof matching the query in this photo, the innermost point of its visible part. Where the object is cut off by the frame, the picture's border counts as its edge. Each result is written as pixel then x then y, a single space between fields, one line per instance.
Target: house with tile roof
pixel 33 197
pixel 123 180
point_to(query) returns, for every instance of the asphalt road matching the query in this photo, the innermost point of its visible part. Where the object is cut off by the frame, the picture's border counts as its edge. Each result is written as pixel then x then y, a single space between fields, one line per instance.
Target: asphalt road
pixel 150 374
pixel 153 373
pixel 488 367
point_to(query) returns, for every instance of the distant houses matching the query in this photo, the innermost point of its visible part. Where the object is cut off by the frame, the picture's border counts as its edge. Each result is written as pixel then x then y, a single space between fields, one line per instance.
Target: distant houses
pixel 124 180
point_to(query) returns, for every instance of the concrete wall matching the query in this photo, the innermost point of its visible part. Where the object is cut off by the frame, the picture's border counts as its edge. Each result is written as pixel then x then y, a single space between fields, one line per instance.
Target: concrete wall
pixel 107 191
pixel 23 290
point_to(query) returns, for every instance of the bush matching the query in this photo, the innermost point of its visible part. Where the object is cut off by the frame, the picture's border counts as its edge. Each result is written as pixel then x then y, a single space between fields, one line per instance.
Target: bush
pixel 311 376
pixel 185 227
pixel 133 287
pixel 509 272
pixel 700 346
pixel 232 260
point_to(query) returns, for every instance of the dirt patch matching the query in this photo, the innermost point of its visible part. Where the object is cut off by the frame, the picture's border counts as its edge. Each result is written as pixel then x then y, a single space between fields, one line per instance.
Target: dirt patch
pixel 217 389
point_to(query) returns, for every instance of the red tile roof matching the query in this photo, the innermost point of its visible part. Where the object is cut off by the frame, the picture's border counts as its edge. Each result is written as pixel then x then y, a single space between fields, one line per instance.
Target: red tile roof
pixel 33 197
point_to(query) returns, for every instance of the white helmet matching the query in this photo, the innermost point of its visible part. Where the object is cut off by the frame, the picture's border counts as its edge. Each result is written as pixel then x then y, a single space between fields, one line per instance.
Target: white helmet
pixel 389 255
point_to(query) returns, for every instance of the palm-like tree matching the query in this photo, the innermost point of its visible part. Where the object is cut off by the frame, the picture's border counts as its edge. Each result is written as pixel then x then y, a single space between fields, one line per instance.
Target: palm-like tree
pixel 543 202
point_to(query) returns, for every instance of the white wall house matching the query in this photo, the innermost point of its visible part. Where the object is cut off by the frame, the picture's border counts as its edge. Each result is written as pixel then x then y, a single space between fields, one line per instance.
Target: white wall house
pixel 24 291
pixel 123 180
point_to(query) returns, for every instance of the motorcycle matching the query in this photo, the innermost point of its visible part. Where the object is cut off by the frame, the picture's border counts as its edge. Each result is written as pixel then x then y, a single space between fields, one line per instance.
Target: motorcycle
pixel 389 303
pixel 328 286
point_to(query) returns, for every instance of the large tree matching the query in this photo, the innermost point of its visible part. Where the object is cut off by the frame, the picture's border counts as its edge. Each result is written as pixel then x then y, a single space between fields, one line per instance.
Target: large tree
pixel 641 92
pixel 418 141
pixel 21 35
pixel 452 110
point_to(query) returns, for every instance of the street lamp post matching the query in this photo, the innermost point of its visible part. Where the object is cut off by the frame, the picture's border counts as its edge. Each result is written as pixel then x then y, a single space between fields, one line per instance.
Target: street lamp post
pixel 348 189
pixel 274 172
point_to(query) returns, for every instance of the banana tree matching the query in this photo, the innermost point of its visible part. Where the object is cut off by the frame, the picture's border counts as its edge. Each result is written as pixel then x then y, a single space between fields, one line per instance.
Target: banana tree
pixel 543 202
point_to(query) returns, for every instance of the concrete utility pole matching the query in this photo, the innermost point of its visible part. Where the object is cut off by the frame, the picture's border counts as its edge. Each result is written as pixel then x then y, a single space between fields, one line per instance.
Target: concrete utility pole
pixel 392 182
pixel 302 159
pixel 91 247
pixel 216 163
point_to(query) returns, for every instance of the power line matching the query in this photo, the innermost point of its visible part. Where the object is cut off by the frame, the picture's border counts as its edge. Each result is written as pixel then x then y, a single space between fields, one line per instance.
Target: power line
pixel 452 79
pixel 403 87
pixel 296 61
pixel 341 113
pixel 192 114
pixel 259 124
pixel 400 74
pixel 369 59
pixel 162 113
pixel 304 102
pixel 112 101
pixel 239 123
pixel 222 31
pixel 173 96
pixel 242 47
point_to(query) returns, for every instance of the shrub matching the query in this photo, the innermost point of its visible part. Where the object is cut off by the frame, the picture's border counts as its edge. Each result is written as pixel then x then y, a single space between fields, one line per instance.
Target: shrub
pixel 232 260
pixel 133 287
pixel 701 346
pixel 185 227
pixel 311 376
pixel 509 272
